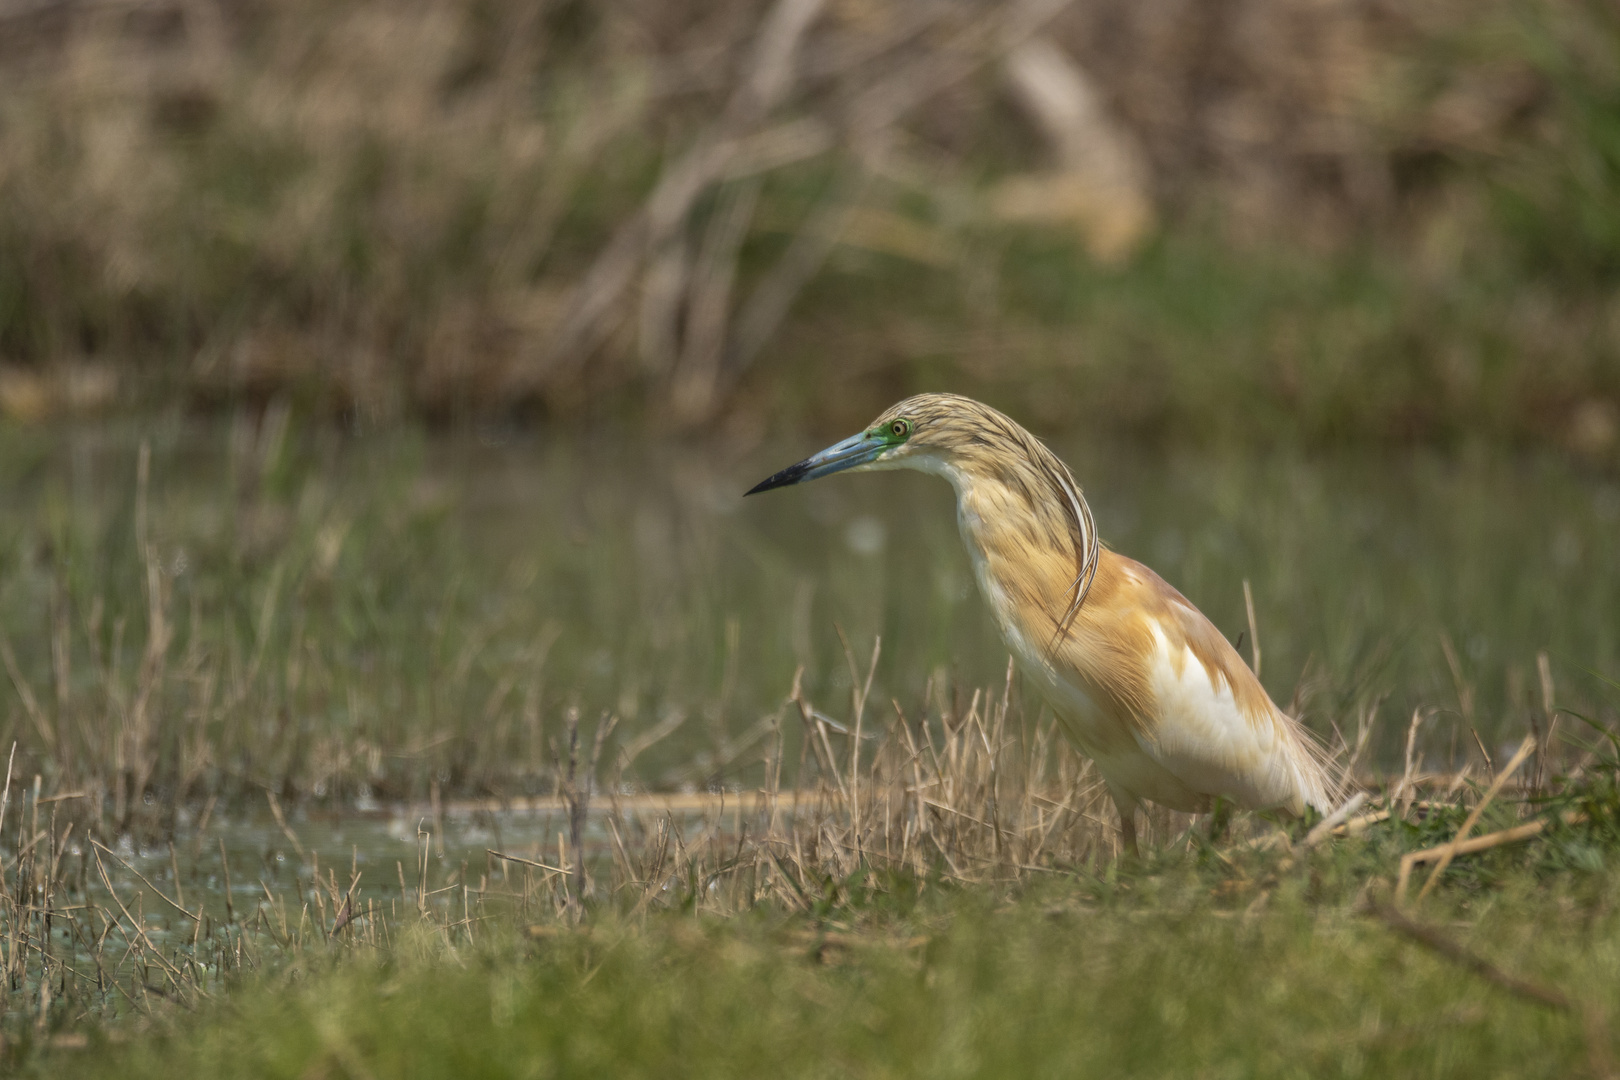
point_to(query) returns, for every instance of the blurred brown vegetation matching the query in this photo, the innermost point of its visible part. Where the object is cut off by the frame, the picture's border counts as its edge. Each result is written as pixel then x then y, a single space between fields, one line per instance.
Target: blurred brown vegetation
pixel 1200 218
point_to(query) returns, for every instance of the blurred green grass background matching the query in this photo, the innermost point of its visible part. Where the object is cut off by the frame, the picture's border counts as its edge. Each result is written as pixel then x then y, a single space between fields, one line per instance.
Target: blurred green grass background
pixel 1337 224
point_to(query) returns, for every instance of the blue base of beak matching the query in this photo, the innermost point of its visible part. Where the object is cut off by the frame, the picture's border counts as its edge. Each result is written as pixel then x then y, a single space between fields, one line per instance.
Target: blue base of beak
pixel 855 450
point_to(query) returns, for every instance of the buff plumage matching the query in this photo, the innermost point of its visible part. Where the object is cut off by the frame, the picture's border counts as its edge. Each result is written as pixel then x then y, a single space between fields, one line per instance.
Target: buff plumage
pixel 1139 679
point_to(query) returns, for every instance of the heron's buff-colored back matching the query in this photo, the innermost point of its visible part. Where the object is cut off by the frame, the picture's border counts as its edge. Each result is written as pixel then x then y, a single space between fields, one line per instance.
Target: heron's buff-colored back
pixel 1111 640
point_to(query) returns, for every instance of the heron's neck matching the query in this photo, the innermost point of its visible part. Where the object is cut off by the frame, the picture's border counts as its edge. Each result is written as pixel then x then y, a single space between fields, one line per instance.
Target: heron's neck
pixel 1015 530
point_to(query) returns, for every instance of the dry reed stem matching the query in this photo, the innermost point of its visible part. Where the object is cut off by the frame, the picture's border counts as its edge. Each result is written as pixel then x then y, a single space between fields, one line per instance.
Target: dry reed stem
pixel 769 80
pixel 281 823
pixel 1482 843
pixel 1412 764
pixel 1332 822
pixel 1254 629
pixel 1360 824
pixel 144 880
pixel 1526 748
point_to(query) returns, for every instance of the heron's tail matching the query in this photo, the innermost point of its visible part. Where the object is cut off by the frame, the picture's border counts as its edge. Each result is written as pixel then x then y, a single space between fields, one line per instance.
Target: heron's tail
pixel 1312 765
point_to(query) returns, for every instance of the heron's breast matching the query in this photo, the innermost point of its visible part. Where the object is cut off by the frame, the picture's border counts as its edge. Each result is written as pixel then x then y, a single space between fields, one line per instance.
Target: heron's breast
pixel 1083 709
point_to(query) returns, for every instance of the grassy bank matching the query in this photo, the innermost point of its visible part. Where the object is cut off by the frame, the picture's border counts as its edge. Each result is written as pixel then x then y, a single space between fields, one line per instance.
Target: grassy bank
pixel 1175 968
pixel 944 905
pixel 1030 989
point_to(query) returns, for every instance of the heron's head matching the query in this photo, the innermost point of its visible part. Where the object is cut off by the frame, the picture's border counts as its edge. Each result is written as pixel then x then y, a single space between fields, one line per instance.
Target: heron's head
pixel 939 433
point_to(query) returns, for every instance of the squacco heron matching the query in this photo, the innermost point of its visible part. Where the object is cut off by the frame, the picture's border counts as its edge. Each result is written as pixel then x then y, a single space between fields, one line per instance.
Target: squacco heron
pixel 1141 682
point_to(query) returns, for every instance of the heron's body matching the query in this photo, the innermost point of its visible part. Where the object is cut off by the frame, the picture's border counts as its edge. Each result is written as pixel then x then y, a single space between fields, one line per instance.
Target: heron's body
pixel 1140 680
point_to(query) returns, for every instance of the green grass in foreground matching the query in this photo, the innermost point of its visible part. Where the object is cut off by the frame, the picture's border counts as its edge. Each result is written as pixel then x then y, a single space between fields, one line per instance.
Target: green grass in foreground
pixel 1153 974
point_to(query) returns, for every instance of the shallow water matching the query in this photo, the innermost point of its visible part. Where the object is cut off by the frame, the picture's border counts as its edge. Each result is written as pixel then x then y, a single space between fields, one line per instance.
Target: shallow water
pixel 385 854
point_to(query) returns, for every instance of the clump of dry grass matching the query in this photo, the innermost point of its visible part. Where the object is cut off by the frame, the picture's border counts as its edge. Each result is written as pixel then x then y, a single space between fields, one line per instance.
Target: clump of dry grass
pixel 978 792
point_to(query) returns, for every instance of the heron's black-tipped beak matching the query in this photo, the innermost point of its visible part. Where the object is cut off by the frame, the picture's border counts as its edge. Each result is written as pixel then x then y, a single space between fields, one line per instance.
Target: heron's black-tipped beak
pixel 855 450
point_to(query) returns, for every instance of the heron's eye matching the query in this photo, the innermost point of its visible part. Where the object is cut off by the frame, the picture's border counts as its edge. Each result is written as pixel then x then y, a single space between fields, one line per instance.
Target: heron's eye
pixel 900 428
